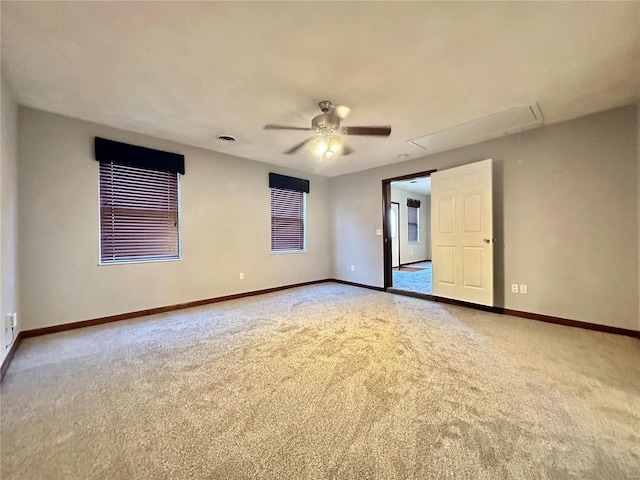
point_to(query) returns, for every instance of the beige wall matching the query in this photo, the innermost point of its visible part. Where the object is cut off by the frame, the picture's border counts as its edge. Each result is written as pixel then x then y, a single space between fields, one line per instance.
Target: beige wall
pixel 565 215
pixel 413 252
pixel 567 220
pixel 225 208
pixel 8 215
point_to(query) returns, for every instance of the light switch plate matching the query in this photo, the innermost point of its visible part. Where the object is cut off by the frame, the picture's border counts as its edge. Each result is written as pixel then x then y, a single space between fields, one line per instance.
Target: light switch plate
pixel 10 321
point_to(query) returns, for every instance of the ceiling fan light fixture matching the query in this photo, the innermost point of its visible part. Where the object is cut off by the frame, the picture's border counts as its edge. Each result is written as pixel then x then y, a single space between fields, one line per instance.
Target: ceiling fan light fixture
pixel 329 145
pixel 328 132
pixel 322 146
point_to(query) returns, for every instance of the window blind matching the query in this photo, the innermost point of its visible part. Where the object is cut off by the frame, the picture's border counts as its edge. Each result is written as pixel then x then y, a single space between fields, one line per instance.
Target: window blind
pixel 412 224
pixel 287 220
pixel 138 214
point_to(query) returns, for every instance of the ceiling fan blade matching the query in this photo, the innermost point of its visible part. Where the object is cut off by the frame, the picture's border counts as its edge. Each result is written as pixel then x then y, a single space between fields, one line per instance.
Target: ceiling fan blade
pixel 341 111
pixel 297 147
pixel 283 127
pixel 377 131
pixel 347 150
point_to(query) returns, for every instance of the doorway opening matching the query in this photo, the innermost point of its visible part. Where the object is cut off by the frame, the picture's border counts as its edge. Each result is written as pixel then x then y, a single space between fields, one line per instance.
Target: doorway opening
pixel 407 234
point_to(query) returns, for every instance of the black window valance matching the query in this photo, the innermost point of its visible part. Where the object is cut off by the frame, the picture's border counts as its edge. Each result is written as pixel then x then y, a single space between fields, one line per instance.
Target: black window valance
pixel 413 203
pixel 133 156
pixel 288 183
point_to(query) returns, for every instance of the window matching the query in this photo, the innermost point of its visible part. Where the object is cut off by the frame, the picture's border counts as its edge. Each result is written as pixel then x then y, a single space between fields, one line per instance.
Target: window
pixel 138 202
pixel 288 213
pixel 287 220
pixel 413 225
pixel 138 214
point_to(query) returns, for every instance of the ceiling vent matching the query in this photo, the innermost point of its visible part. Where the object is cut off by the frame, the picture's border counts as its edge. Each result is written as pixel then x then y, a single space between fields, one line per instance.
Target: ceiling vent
pixel 503 123
pixel 226 138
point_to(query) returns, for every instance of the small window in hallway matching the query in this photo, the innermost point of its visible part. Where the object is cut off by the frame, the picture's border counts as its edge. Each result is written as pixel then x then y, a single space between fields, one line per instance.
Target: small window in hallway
pixel 413 224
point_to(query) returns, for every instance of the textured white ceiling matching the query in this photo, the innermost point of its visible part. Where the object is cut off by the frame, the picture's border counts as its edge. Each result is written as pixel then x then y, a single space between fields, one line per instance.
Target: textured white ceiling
pixel 191 71
pixel 418 185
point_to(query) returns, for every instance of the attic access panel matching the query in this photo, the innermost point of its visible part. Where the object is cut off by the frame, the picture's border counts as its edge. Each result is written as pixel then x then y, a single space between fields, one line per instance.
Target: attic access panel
pixel 492 126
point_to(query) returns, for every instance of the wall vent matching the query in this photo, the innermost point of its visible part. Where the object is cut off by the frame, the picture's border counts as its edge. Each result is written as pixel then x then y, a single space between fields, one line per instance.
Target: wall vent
pixel 493 126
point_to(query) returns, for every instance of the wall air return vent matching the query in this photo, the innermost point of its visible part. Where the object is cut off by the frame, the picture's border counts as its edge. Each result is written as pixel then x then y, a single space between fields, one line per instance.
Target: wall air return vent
pixel 503 123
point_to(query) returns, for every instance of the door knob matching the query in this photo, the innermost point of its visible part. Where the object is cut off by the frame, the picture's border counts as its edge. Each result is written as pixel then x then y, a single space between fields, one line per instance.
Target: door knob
pixel 486 240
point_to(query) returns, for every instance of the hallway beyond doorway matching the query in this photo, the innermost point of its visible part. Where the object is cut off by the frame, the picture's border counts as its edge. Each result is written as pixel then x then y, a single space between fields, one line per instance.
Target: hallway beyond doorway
pixel 414 278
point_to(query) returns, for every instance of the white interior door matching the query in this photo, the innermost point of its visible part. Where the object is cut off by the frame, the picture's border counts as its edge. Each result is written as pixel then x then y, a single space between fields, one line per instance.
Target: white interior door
pixel 462 233
pixel 395 235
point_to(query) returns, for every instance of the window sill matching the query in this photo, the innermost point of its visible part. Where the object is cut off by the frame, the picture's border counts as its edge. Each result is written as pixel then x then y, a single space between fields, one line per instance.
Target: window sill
pixel 127 262
pixel 284 252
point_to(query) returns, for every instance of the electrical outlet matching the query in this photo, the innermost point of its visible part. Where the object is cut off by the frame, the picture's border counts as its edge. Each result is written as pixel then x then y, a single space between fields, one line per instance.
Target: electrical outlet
pixel 523 289
pixel 411 252
pixel 353 268
pixel 241 275
pixel 514 288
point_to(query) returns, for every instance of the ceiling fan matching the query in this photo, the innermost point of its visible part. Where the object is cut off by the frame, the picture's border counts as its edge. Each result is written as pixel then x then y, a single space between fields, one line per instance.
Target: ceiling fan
pixel 328 132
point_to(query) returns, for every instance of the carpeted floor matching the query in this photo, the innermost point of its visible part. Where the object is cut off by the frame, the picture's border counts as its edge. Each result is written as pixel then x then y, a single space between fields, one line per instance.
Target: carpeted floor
pixel 417 281
pixel 323 382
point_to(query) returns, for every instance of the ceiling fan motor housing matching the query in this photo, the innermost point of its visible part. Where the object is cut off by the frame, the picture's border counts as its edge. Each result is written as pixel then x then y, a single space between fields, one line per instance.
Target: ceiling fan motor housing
pixel 324 122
